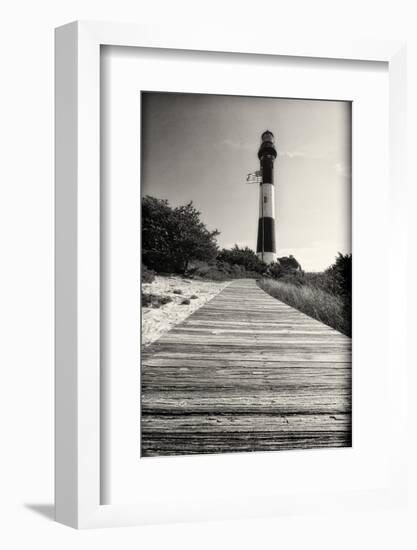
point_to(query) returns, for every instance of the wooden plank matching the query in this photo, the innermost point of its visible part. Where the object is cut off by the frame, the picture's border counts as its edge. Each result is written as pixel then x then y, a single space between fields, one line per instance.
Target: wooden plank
pixel 209 376
pixel 229 356
pixel 261 423
pixel 170 444
pixel 277 401
pixel 285 355
pixel 210 362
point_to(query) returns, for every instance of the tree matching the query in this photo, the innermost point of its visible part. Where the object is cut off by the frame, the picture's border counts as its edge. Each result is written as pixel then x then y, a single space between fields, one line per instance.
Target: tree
pixel 172 237
pixel 340 274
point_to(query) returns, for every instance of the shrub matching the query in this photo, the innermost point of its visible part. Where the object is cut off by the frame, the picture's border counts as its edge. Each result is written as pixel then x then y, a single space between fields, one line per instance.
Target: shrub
pixel 289 264
pixel 148 275
pixel 341 274
pixel 177 291
pixel 275 270
pixel 197 268
pixel 203 270
pixel 185 302
pixel 243 257
pixel 193 297
pixel 219 271
pixel 154 300
pixel 146 300
pixel 165 300
pixel 216 274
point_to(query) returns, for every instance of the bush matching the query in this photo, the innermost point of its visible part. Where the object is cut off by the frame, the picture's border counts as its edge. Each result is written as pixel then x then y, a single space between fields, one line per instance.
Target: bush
pixel 216 274
pixel 154 300
pixel 219 271
pixel 148 275
pixel 197 268
pixel 242 257
pixel 177 291
pixel 287 266
pixel 185 302
pixel 275 270
pixel 146 300
pixel 204 270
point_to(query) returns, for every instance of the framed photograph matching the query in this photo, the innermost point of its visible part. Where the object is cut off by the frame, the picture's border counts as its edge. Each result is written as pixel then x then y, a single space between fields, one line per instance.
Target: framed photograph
pixel 222 210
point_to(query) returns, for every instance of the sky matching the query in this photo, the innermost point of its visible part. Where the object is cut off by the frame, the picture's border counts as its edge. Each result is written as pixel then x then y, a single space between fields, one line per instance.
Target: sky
pixel 200 147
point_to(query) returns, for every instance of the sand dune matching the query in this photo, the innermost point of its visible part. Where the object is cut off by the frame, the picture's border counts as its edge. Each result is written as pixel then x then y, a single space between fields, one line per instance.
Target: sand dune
pixel 157 321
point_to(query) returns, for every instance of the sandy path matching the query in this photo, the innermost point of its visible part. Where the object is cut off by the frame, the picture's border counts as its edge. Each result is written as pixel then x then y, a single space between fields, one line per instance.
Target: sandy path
pixel 156 322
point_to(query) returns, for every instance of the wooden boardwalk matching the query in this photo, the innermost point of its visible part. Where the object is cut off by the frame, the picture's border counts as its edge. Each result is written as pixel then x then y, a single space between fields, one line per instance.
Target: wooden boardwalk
pixel 246 372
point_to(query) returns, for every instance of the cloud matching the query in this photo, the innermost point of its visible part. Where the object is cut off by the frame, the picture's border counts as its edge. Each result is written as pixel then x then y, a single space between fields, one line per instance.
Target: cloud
pixel 238 145
pixel 292 154
pixel 311 154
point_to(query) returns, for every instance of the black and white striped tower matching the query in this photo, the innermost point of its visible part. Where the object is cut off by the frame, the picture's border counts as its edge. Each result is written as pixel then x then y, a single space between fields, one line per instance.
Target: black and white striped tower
pixel 266 247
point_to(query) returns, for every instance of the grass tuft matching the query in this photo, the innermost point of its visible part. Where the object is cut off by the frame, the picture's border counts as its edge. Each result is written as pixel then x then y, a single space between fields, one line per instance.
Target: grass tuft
pixel 155 300
pixel 315 302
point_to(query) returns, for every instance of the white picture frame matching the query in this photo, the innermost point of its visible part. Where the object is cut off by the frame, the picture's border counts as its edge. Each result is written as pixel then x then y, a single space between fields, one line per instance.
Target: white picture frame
pixel 78 406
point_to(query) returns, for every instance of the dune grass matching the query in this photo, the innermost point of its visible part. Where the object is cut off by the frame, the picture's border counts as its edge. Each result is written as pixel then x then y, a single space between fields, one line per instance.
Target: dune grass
pixel 315 302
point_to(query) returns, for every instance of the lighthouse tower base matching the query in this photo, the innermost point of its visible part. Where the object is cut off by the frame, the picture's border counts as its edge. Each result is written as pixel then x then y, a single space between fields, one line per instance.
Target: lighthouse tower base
pixel 268 257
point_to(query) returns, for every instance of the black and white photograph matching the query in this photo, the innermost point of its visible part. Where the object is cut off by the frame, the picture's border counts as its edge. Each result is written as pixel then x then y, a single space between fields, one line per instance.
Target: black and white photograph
pixel 208 275
pixel 246 269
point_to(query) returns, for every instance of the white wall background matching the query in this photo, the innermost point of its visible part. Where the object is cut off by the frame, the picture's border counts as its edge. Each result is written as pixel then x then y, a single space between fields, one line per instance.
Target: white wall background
pixel 26 286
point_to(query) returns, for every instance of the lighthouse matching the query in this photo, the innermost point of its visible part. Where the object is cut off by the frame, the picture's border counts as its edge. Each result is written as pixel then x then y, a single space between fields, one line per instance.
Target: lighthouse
pixel 266 246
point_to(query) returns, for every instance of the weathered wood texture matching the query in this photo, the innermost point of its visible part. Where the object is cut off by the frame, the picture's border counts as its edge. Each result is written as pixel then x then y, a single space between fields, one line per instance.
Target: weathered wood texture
pixel 246 373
